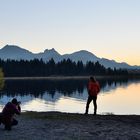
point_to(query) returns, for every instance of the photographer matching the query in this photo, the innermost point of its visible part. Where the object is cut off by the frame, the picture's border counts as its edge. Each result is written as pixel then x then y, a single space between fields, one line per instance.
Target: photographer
pixel 8 112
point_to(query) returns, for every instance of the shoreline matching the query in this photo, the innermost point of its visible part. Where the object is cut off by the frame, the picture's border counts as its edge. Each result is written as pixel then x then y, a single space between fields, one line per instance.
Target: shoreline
pixel 71 126
pixel 69 77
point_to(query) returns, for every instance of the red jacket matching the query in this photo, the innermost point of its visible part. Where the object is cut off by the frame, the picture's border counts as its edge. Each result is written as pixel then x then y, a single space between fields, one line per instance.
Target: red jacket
pixel 93 88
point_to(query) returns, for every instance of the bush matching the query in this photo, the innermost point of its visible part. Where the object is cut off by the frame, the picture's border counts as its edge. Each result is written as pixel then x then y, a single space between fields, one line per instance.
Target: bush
pixel 1 79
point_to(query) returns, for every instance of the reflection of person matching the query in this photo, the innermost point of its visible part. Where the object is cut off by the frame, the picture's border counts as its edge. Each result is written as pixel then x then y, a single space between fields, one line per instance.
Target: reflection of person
pixel 93 90
pixel 8 112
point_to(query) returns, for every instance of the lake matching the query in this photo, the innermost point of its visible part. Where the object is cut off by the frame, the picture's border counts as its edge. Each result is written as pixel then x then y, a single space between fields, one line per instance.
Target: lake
pixel 117 96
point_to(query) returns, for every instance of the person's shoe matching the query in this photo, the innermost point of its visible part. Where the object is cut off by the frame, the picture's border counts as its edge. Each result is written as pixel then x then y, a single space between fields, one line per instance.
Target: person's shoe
pixel 94 114
pixel 8 128
pixel 85 113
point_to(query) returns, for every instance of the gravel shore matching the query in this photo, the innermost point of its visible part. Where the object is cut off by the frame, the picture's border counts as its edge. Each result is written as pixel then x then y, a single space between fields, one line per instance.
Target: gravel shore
pixel 66 126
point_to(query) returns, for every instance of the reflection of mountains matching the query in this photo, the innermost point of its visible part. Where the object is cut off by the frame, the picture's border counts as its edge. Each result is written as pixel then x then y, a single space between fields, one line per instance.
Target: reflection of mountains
pixel 52 90
pixel 65 87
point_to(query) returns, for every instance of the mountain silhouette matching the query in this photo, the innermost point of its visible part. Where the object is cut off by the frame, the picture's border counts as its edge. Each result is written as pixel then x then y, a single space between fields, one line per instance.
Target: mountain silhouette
pixel 17 53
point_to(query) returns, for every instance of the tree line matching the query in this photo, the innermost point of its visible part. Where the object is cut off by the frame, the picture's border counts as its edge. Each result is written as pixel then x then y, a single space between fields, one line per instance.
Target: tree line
pixel 26 68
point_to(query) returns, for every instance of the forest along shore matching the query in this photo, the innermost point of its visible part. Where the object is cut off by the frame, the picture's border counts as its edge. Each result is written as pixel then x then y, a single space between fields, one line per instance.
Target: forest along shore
pixel 67 126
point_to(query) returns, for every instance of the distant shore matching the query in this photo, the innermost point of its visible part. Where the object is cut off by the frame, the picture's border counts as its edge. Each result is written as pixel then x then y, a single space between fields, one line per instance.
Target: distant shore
pixel 69 77
pixel 69 126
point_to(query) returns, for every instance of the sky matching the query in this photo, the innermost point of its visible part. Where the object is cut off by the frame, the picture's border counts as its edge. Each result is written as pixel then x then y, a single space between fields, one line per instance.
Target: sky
pixel 107 28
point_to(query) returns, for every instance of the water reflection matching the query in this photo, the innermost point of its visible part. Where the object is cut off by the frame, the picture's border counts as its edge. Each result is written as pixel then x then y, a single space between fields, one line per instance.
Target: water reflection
pixel 58 95
pixel 38 88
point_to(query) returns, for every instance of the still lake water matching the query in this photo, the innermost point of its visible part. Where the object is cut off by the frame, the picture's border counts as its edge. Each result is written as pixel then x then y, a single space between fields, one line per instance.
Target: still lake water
pixel 120 96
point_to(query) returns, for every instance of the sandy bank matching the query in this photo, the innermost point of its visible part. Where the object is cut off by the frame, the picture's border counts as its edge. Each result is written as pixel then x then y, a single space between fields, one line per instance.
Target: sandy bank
pixel 63 126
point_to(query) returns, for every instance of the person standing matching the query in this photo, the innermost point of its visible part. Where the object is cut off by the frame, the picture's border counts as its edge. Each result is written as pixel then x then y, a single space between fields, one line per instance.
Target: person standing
pixel 93 90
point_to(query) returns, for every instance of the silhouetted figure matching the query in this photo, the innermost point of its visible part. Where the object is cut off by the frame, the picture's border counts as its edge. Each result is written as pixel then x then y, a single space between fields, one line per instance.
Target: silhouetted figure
pixel 93 90
pixel 8 112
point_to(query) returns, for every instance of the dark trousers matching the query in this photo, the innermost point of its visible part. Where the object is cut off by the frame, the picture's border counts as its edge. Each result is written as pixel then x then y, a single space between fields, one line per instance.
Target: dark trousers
pixel 90 98
pixel 10 124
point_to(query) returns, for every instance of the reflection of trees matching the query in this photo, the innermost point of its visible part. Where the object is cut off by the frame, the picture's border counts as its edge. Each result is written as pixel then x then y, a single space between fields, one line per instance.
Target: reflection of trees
pixel 110 82
pixel 113 83
pixel 37 88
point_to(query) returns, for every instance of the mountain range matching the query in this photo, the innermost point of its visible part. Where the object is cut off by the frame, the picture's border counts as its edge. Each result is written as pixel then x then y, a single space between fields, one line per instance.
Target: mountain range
pixel 14 52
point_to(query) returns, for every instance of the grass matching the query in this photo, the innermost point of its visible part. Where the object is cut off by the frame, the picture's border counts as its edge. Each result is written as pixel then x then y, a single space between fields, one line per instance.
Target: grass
pixel 56 116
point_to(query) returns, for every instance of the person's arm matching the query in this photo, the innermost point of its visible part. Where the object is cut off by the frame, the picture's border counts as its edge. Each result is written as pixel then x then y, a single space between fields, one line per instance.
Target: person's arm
pixel 89 88
pixel 17 110
pixel 98 87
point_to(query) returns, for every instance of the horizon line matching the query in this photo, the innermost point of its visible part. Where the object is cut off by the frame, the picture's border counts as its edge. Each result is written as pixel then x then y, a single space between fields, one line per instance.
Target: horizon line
pixel 69 53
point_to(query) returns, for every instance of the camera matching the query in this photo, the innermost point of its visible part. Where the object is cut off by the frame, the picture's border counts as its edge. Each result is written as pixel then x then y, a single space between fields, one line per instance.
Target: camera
pixel 19 102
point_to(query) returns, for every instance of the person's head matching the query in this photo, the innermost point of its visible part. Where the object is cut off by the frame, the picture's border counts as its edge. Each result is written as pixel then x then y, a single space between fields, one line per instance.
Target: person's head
pixel 14 101
pixel 92 79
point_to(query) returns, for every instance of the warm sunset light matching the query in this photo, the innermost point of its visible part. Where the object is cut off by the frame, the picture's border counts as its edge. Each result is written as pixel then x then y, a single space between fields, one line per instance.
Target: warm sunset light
pixel 69 69
pixel 119 101
pixel 109 29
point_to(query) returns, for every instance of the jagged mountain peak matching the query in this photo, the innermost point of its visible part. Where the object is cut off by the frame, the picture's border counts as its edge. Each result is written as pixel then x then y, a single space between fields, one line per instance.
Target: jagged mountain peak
pixel 15 52
pixel 50 50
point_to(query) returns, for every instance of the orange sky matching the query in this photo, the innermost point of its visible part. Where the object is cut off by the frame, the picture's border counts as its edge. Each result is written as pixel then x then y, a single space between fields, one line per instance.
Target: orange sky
pixel 108 28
